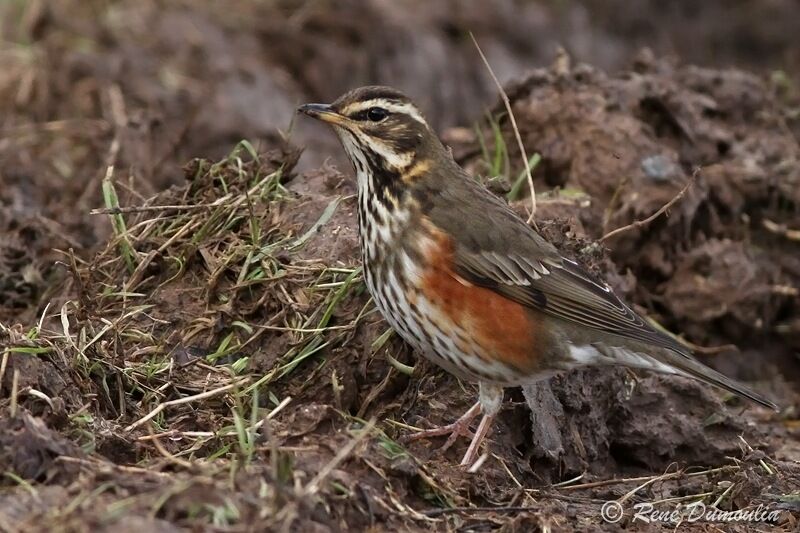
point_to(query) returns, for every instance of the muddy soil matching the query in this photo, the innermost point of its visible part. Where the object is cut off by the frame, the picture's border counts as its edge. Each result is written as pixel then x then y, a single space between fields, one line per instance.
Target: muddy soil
pixel 205 357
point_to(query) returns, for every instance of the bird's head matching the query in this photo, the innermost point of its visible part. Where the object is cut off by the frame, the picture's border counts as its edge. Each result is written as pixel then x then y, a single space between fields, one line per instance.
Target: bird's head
pixel 384 134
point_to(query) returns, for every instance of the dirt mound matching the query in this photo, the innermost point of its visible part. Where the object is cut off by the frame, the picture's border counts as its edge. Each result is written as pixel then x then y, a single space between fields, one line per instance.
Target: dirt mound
pixel 27 261
pixel 630 143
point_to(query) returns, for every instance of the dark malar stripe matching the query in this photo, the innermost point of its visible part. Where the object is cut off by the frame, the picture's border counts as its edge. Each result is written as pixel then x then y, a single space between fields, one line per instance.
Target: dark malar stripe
pixel 385 181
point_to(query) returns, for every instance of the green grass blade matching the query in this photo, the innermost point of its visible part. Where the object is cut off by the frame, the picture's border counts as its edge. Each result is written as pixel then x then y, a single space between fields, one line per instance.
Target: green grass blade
pixel 516 189
pixel 111 201
pixel 323 219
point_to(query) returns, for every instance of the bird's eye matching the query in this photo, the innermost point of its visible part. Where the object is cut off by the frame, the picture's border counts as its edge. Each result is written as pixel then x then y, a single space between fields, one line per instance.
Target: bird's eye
pixel 376 114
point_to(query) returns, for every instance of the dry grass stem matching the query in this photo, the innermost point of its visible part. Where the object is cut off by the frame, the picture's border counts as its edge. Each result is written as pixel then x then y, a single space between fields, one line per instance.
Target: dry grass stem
pixel 514 127
pixel 186 399
pixel 662 210
pixel 781 229
pixel 314 485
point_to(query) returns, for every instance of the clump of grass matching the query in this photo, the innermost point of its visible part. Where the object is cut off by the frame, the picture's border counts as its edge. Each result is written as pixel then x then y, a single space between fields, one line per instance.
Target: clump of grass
pixel 196 283
pixel 520 182
pixel 117 221
pixel 496 158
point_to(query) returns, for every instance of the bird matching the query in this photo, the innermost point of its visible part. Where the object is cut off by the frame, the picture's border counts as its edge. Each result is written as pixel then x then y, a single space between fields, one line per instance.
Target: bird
pixel 468 283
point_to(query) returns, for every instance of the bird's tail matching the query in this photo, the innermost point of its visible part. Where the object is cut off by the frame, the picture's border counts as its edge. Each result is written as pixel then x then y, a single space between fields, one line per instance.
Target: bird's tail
pixel 672 362
pixel 693 368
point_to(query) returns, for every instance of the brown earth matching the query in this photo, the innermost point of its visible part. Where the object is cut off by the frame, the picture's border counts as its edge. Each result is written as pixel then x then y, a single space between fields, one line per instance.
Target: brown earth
pixel 237 317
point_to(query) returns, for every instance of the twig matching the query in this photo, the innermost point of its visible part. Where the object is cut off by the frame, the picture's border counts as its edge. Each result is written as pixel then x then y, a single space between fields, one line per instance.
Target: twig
pixel 784 290
pixel 667 475
pixel 662 477
pixel 478 464
pixel 219 202
pixel 186 399
pixel 313 485
pixel 508 471
pixel 705 350
pixel 42 396
pixel 3 364
pixel 612 204
pixel 507 103
pixel 148 209
pixel 708 350
pixel 780 229
pixel 272 414
pixel 109 466
pixel 664 208
pixel 175 432
pixel 510 509
pixel 14 393
pixel 164 452
pixel 452 510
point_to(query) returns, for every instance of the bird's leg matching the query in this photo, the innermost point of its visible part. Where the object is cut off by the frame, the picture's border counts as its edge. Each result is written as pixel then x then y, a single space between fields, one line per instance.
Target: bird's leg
pixel 483 429
pixel 491 398
pixel 458 428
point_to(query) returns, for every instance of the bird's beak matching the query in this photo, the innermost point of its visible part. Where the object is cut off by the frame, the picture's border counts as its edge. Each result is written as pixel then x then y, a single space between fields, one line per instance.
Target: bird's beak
pixel 322 112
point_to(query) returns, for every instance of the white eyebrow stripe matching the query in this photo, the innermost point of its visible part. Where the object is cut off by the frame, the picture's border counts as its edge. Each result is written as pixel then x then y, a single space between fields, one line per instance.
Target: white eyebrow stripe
pixel 408 109
pixel 395 107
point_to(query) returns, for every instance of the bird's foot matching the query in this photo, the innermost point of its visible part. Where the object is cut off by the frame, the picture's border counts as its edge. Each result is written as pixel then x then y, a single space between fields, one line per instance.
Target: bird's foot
pixel 459 428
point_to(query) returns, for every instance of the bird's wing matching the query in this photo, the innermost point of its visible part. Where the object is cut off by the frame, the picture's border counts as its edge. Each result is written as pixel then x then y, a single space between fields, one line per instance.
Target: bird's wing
pixel 495 249
pixel 560 288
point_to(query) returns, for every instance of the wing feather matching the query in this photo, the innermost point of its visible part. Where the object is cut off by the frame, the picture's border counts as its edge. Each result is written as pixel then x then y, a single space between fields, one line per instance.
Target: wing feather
pixel 563 290
pixel 499 251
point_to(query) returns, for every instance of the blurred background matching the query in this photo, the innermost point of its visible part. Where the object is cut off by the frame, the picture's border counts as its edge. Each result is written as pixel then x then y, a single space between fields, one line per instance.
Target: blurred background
pixel 184 78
